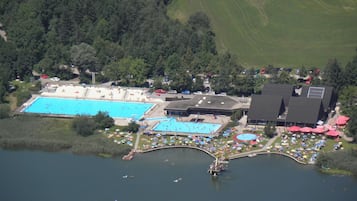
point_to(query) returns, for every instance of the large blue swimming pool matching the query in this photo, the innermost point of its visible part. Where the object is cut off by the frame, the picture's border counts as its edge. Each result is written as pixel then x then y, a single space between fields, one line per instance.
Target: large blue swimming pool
pixel 72 107
pixel 171 125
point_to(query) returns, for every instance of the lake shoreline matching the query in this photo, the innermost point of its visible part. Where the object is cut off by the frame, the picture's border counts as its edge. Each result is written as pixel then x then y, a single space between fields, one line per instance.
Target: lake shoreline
pixel 57 147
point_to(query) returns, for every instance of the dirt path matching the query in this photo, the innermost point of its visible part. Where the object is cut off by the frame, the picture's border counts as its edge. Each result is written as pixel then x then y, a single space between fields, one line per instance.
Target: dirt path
pixel 2 32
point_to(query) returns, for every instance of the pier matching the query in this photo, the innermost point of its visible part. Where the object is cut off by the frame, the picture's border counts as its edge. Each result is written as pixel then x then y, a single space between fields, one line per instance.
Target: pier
pixel 129 156
pixel 217 166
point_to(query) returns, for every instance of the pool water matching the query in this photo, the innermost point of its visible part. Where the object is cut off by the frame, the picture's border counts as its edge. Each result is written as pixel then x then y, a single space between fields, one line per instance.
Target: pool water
pixel 72 107
pixel 246 137
pixel 171 125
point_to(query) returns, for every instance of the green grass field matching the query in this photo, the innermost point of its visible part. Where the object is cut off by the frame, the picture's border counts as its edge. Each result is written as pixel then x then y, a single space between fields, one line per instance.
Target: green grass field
pixel 279 32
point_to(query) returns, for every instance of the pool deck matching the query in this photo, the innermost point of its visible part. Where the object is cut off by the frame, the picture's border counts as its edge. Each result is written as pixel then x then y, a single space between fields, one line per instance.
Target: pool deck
pixel 99 93
pixel 116 93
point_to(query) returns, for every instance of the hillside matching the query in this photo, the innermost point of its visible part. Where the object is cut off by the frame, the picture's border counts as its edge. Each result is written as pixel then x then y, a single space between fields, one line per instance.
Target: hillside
pixel 279 32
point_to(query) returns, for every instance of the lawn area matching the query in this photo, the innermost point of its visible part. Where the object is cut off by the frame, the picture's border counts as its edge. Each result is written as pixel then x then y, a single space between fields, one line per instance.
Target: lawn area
pixel 54 134
pixel 279 32
pixel 306 144
pixel 222 145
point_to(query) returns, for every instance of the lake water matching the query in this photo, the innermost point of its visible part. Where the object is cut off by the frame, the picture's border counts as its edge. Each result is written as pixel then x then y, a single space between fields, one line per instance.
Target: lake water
pixel 27 175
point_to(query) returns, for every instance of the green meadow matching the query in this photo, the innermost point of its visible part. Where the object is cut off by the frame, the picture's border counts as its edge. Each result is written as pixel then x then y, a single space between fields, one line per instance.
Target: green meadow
pixel 279 32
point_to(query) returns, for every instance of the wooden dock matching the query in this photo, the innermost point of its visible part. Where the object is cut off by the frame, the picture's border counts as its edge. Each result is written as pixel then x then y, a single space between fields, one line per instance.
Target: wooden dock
pixel 217 166
pixel 129 156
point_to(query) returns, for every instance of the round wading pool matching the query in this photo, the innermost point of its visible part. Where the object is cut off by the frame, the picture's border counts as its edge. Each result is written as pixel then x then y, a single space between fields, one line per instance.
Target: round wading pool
pixel 246 137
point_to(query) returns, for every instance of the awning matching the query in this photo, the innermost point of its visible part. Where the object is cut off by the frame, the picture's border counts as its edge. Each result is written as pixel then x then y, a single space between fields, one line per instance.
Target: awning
pixel 318 130
pixel 294 129
pixel 306 129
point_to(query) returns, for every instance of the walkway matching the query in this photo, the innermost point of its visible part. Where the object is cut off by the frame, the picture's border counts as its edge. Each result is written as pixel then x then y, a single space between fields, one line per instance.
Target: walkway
pixel 179 146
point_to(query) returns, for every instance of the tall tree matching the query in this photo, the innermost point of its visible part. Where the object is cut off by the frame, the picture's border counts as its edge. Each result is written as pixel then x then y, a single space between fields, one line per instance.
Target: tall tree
pixel 270 130
pixel 352 124
pixel 127 70
pixel 348 99
pixel 284 78
pixel 199 21
pixel 333 75
pixel 350 72
pixel 107 51
pixel 83 56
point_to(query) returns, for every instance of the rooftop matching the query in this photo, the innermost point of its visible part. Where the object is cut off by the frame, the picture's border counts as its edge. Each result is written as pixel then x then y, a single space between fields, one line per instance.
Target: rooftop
pixel 265 108
pixel 304 110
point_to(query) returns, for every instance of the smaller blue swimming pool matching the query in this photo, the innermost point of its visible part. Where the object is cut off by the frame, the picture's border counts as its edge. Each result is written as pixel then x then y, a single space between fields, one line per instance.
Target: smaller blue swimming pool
pixel 246 137
pixel 171 125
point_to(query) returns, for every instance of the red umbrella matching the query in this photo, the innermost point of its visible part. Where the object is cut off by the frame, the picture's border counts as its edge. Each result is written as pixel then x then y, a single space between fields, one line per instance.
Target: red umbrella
pixel 346 118
pixel 333 133
pixel 294 129
pixel 342 120
pixel 306 129
pixel 318 130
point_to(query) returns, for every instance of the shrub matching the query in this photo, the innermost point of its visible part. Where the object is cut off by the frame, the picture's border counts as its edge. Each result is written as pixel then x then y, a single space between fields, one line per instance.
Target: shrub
pixel 132 127
pixel 83 125
pixel 22 96
pixel 4 111
pixel 103 120
pixel 236 115
pixel 270 130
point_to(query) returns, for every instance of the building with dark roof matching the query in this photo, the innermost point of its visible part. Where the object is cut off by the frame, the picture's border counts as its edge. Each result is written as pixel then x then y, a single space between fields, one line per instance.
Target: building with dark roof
pixel 325 94
pixel 206 104
pixel 284 90
pixel 303 106
pixel 265 108
pixel 305 111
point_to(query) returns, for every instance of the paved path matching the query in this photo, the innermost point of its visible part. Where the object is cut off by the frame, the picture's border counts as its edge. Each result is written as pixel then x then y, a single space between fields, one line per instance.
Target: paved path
pixel 138 134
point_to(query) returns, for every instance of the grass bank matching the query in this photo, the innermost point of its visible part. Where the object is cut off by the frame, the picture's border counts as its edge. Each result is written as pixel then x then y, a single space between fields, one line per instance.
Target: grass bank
pixel 279 32
pixel 339 162
pixel 336 172
pixel 54 134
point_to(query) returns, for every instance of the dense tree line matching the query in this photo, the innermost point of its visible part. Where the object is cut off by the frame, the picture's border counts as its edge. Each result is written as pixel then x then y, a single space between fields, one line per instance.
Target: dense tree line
pixel 345 82
pixel 128 41
pixel 125 40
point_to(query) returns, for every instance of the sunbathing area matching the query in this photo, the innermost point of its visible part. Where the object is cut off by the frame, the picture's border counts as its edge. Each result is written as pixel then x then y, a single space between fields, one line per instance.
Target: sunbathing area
pixel 219 146
pixel 245 140
pixel 98 92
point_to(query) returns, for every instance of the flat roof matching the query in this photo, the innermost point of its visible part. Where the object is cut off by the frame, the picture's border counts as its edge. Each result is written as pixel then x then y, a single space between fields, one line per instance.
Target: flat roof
pixel 210 102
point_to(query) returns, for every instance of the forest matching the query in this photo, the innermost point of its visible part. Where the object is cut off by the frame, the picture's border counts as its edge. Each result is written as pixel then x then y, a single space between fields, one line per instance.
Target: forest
pixel 129 41
pixel 125 40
